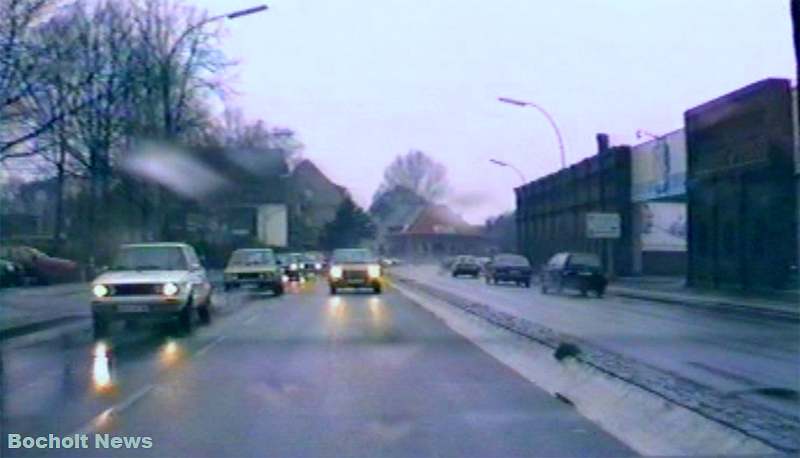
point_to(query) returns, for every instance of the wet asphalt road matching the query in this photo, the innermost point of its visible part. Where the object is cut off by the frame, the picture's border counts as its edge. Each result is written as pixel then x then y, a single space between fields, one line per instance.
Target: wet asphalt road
pixel 306 374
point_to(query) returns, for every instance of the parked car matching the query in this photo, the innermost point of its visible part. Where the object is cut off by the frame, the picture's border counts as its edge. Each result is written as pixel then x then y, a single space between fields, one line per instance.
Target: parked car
pixel 465 265
pixel 41 268
pixel 152 280
pixel 578 271
pixel 355 268
pixel 11 274
pixel 254 267
pixel 507 267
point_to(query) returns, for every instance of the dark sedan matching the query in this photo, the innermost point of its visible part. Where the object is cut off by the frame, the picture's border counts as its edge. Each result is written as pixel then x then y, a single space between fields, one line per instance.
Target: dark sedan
pixel 578 271
pixel 509 268
pixel 465 265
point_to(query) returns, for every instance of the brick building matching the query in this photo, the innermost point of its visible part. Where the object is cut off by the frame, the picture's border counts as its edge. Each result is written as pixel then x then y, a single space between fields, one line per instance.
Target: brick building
pixel 741 194
pixel 435 231
pixel 551 211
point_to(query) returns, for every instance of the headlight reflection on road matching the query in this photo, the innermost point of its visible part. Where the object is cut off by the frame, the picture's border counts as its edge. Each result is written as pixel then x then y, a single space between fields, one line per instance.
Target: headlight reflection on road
pixel 336 306
pixel 376 312
pixel 171 353
pixel 101 368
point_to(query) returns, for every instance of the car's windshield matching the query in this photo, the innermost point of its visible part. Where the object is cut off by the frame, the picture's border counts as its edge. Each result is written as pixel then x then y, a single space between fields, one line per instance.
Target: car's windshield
pixel 511 260
pixel 150 258
pixel 252 257
pixel 584 260
pixel 466 260
pixel 353 256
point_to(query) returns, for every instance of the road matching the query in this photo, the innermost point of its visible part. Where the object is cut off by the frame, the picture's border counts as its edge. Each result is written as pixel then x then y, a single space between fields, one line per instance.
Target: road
pixel 742 356
pixel 306 374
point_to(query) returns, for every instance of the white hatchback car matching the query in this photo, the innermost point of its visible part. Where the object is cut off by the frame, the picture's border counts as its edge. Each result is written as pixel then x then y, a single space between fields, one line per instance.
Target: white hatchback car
pixel 152 280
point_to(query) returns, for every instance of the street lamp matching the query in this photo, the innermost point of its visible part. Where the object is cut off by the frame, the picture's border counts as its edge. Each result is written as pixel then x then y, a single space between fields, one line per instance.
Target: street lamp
pixel 643 133
pixel 506 164
pixel 550 119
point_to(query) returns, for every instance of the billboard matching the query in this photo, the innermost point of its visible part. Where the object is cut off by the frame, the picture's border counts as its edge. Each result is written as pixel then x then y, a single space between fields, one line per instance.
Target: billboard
pixel 659 167
pixel 272 226
pixel 662 226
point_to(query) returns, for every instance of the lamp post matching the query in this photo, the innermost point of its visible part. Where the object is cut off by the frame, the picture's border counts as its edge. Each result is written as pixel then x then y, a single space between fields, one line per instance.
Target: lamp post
pixel 511 166
pixel 550 119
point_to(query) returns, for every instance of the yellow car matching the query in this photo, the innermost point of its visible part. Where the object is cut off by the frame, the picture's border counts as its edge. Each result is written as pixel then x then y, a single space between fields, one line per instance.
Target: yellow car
pixel 355 268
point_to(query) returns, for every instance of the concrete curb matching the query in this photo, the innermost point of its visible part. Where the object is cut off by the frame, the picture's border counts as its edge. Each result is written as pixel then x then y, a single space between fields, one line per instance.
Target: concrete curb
pixel 33 326
pixel 715 305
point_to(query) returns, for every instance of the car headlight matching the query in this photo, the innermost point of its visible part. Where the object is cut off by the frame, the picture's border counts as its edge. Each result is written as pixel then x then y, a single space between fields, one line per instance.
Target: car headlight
pixel 170 289
pixel 374 271
pixel 318 266
pixel 292 266
pixel 100 290
pixel 336 272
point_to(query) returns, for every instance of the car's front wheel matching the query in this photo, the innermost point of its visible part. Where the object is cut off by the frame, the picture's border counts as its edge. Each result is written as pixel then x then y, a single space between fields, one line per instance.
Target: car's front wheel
pixel 376 289
pixel 333 289
pixel 204 312
pixel 277 289
pixel 185 319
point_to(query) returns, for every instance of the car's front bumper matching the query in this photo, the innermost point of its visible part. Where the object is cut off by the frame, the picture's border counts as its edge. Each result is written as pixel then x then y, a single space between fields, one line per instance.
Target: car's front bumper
pixel 136 306
pixel 365 282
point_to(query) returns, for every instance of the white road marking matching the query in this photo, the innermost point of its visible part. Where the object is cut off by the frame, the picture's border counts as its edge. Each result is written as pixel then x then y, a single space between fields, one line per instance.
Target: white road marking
pixel 208 346
pixel 115 409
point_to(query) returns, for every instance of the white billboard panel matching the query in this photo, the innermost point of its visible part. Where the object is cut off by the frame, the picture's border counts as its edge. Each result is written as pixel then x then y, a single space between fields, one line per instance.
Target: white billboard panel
pixel 662 226
pixel 659 167
pixel 272 227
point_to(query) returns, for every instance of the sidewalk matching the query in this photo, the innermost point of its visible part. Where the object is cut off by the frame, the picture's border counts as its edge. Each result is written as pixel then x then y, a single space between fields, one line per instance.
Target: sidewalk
pixel 673 290
pixel 29 307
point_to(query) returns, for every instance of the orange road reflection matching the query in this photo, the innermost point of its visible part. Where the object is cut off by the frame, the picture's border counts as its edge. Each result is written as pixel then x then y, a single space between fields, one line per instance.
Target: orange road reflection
pixel 102 380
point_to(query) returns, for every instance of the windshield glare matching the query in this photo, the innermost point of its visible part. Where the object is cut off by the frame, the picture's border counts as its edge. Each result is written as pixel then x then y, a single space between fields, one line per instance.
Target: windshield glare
pixel 512 260
pixel 357 256
pixel 249 258
pixel 150 258
pixel 584 259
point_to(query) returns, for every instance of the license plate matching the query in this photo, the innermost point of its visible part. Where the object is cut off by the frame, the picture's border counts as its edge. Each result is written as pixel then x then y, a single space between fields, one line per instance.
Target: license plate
pixel 132 308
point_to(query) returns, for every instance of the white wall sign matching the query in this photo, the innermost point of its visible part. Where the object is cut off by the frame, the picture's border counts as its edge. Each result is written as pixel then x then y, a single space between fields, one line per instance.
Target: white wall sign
pixel 603 225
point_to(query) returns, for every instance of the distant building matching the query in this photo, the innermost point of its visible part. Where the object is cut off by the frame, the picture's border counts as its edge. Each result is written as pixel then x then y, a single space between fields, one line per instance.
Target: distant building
pixel 551 211
pixel 393 211
pixel 435 231
pixel 313 198
pixel 743 217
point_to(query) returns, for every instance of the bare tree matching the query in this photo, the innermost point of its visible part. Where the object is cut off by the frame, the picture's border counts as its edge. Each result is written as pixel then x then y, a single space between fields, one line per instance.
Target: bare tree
pixel 417 172
pixel 18 66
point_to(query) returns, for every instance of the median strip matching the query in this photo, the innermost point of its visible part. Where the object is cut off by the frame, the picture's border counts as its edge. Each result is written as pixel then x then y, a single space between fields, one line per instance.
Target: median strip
pixel 752 422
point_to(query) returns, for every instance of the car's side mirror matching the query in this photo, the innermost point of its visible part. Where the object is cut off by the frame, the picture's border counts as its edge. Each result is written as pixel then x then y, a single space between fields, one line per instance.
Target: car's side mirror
pixel 195 267
pixel 103 269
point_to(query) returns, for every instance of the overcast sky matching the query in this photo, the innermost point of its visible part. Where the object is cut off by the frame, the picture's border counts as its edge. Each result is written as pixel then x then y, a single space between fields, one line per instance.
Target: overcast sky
pixel 361 81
